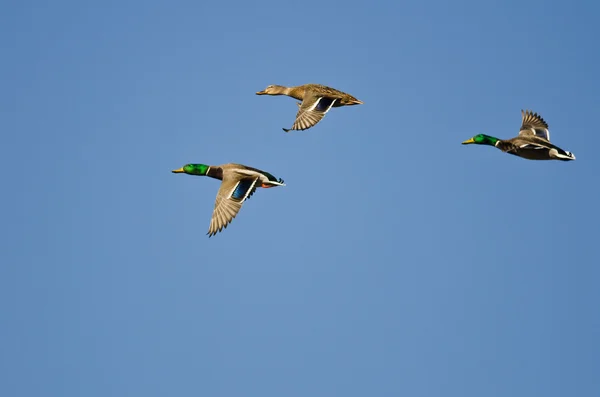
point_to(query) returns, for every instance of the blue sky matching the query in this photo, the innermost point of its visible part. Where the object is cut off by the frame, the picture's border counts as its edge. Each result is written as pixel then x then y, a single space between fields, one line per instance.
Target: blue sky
pixel 394 262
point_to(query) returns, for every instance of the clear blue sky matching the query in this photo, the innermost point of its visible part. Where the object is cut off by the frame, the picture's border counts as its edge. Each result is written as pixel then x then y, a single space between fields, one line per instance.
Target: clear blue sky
pixel 395 262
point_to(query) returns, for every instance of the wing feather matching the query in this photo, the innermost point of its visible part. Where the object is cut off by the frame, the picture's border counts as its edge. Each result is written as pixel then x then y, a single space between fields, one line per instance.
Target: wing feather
pixel 230 197
pixel 534 124
pixel 311 111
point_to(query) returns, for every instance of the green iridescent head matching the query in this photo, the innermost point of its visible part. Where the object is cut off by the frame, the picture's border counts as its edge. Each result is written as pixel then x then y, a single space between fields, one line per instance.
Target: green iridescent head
pixel 193 169
pixel 482 139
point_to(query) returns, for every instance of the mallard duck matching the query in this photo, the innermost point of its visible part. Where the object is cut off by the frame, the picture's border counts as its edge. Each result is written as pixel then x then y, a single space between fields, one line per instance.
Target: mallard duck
pixel 239 182
pixel 533 142
pixel 316 100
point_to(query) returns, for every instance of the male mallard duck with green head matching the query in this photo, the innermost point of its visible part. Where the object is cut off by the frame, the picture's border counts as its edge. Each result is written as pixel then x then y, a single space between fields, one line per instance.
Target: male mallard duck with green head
pixel 316 100
pixel 533 142
pixel 239 182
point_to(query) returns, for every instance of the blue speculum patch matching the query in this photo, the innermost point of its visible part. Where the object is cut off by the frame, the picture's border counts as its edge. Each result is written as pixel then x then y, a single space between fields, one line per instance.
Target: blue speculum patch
pixel 241 189
pixel 324 104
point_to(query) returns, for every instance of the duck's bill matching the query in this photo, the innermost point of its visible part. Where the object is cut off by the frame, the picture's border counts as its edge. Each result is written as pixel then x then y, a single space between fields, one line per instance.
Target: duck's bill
pixel 179 171
pixel 260 93
pixel 468 141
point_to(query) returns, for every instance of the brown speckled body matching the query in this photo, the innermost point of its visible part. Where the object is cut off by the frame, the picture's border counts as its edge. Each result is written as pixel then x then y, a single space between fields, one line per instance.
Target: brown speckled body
pixel 316 99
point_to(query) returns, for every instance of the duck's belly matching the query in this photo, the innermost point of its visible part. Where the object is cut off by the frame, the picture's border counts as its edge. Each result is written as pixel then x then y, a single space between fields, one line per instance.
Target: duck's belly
pixel 533 154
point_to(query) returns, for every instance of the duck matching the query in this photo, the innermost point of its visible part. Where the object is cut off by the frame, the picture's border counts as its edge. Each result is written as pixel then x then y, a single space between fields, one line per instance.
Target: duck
pixel 316 99
pixel 238 183
pixel 532 143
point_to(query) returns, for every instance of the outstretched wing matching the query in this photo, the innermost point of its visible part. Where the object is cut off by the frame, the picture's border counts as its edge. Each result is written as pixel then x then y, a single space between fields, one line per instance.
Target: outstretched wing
pixel 534 124
pixel 311 111
pixel 231 196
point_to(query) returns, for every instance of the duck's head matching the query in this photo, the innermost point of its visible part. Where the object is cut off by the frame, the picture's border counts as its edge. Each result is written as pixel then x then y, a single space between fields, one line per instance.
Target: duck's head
pixel 481 139
pixel 272 90
pixel 193 169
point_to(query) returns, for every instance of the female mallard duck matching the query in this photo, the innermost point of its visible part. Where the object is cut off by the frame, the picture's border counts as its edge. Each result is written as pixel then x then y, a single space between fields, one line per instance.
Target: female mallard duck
pixel 239 182
pixel 533 142
pixel 316 100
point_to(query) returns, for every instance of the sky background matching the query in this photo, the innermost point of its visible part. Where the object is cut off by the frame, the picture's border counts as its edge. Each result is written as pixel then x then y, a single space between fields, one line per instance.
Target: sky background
pixel 396 262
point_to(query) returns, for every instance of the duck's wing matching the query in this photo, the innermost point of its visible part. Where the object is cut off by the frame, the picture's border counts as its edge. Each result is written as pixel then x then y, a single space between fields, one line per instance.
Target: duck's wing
pixel 540 149
pixel 234 190
pixel 530 142
pixel 533 124
pixel 311 111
